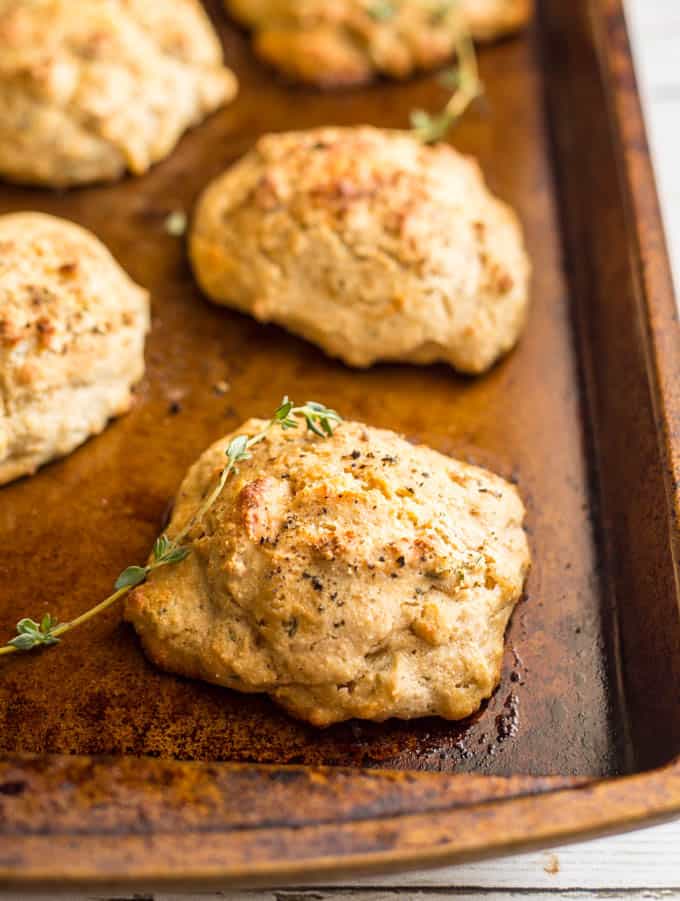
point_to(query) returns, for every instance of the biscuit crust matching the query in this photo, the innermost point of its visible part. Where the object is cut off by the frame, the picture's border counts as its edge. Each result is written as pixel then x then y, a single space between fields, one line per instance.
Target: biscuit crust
pixel 343 42
pixel 356 576
pixel 93 88
pixel 367 243
pixel 72 329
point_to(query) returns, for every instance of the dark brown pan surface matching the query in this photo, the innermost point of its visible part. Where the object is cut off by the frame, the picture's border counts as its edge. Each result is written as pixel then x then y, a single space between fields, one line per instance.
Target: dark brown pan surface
pixel 67 532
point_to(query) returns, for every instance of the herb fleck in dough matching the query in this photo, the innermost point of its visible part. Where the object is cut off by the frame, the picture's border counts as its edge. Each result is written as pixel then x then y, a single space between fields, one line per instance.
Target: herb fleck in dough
pixel 368 244
pixel 352 576
pixel 72 328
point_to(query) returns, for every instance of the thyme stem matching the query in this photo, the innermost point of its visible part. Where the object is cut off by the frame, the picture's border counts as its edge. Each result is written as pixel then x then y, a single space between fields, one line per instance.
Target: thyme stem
pixel 59 630
pixel 468 87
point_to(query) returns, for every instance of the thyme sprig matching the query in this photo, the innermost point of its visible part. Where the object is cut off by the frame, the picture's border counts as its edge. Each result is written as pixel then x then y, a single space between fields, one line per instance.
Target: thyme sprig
pixel 463 79
pixel 167 551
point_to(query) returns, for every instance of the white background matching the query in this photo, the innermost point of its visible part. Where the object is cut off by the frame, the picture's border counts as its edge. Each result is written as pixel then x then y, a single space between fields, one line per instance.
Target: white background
pixel 636 866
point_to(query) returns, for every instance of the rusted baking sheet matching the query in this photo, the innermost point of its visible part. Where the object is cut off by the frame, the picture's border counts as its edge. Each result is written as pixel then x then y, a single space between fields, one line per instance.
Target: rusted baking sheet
pixel 582 735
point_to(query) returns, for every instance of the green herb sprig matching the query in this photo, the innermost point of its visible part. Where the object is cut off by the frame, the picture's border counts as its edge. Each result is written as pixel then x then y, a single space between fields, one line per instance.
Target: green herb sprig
pixel 463 79
pixel 381 10
pixel 319 420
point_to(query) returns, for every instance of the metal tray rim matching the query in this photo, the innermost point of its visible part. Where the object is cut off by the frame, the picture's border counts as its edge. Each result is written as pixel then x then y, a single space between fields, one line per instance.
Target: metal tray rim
pixel 463 830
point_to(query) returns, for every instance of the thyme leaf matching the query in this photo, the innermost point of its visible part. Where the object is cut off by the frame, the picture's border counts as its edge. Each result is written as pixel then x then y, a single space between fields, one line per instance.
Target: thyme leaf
pixel 381 10
pixel 133 575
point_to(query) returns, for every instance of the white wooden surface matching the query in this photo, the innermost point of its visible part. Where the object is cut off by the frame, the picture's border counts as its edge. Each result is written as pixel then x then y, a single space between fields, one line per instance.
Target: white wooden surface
pixel 655 31
pixel 640 865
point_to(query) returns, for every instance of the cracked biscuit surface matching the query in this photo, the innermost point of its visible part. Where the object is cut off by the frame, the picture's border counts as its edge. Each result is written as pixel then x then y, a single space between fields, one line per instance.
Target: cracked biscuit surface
pixel 353 576
pixel 93 88
pixel 367 243
pixel 72 329
pixel 341 42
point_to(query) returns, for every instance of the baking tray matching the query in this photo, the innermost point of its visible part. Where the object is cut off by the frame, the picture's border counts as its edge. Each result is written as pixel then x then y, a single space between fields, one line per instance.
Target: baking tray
pixel 113 772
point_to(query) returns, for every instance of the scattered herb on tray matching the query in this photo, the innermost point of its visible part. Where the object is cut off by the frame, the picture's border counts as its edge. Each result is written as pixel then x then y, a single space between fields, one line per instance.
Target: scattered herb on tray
pixel 176 223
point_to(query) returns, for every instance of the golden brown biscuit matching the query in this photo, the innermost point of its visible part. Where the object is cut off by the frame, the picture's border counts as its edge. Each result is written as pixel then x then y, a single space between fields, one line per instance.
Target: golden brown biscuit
pixel 72 328
pixel 92 88
pixel 339 42
pixel 353 576
pixel 367 243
